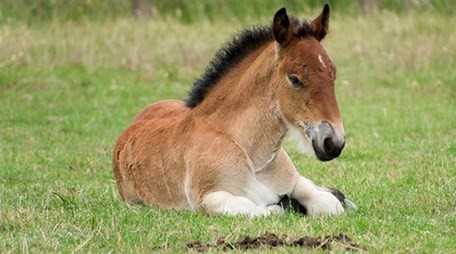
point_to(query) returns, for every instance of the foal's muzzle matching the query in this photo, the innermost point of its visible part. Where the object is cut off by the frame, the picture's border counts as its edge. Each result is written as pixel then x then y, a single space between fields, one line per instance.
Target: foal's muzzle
pixel 326 142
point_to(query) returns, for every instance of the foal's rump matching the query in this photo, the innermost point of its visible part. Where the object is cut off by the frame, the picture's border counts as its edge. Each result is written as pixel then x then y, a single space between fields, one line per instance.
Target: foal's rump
pixel 143 156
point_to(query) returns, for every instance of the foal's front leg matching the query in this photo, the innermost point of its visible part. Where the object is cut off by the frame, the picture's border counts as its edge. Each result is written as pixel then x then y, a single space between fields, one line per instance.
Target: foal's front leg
pixel 281 175
pixel 317 200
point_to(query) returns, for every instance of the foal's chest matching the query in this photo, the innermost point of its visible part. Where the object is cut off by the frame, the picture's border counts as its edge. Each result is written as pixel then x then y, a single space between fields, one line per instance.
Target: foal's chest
pixel 260 194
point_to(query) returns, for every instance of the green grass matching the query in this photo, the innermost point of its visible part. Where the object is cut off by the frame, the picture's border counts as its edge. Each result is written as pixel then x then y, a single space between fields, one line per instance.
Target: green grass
pixel 68 90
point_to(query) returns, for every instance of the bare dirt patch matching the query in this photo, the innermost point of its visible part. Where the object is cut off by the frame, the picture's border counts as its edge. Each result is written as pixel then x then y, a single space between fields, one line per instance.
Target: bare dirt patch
pixel 270 240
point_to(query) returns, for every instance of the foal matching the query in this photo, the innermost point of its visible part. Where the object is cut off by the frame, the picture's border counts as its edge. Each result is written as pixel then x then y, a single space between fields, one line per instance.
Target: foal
pixel 220 152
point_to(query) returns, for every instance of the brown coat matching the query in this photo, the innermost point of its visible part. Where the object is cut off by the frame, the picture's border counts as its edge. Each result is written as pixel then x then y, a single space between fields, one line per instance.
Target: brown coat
pixel 221 151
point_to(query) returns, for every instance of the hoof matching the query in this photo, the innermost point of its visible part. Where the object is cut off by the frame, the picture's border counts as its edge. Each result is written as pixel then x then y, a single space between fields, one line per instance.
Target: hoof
pixel 293 205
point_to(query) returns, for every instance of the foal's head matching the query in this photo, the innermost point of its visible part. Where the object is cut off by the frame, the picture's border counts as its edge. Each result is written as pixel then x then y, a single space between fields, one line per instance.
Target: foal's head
pixel 306 83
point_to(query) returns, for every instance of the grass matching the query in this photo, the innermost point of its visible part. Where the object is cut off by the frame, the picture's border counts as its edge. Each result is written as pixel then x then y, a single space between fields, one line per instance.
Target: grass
pixel 68 90
pixel 42 11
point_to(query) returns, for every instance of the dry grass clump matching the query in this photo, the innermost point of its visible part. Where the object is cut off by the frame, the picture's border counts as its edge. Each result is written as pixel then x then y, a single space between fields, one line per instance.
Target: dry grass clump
pixel 380 43
pixel 123 43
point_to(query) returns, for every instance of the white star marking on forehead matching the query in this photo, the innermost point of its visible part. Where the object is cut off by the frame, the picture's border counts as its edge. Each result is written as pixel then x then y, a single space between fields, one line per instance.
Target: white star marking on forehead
pixel 321 61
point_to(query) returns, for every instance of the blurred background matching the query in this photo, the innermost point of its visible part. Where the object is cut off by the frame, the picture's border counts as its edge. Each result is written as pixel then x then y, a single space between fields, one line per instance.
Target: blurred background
pixel 37 11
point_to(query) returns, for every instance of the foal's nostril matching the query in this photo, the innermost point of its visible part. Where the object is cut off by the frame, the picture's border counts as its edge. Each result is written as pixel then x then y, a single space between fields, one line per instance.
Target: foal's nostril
pixel 333 148
pixel 328 145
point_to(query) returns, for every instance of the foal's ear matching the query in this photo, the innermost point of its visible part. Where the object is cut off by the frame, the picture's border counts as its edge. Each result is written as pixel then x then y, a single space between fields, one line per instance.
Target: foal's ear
pixel 320 24
pixel 281 27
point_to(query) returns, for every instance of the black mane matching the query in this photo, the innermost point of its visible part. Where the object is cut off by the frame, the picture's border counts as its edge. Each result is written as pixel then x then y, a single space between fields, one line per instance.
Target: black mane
pixel 232 53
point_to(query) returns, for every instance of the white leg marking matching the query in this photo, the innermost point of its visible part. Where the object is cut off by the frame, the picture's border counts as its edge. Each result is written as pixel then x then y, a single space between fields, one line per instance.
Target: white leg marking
pixel 222 202
pixel 316 201
pixel 323 203
pixel 348 203
pixel 275 209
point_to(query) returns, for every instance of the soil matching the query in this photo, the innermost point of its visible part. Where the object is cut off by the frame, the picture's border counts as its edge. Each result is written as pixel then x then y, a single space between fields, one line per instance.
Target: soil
pixel 269 240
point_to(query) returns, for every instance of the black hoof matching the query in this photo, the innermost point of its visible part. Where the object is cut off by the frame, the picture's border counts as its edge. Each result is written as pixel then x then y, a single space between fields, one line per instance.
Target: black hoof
pixel 290 204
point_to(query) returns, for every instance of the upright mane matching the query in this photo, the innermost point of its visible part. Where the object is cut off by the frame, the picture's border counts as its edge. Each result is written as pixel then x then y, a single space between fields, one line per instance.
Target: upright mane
pixel 232 52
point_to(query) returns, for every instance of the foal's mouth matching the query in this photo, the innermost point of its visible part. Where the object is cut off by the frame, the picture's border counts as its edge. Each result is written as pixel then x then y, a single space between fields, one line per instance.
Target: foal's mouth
pixel 326 143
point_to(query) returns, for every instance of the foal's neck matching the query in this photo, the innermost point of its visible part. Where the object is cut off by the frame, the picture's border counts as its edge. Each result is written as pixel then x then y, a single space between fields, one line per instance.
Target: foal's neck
pixel 244 105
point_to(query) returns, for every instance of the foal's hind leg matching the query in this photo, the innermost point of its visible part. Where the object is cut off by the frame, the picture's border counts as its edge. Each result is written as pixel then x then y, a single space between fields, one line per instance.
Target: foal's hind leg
pixel 222 202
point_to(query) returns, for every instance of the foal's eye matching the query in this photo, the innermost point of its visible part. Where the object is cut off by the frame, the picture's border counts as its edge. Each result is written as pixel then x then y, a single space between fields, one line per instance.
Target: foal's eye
pixel 294 80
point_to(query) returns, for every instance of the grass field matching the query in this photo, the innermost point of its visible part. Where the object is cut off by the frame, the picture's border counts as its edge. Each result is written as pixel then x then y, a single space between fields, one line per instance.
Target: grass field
pixel 67 90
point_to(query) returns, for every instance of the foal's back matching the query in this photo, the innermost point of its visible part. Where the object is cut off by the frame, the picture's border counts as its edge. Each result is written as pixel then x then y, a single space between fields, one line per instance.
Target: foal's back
pixel 139 164
pixel 162 110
